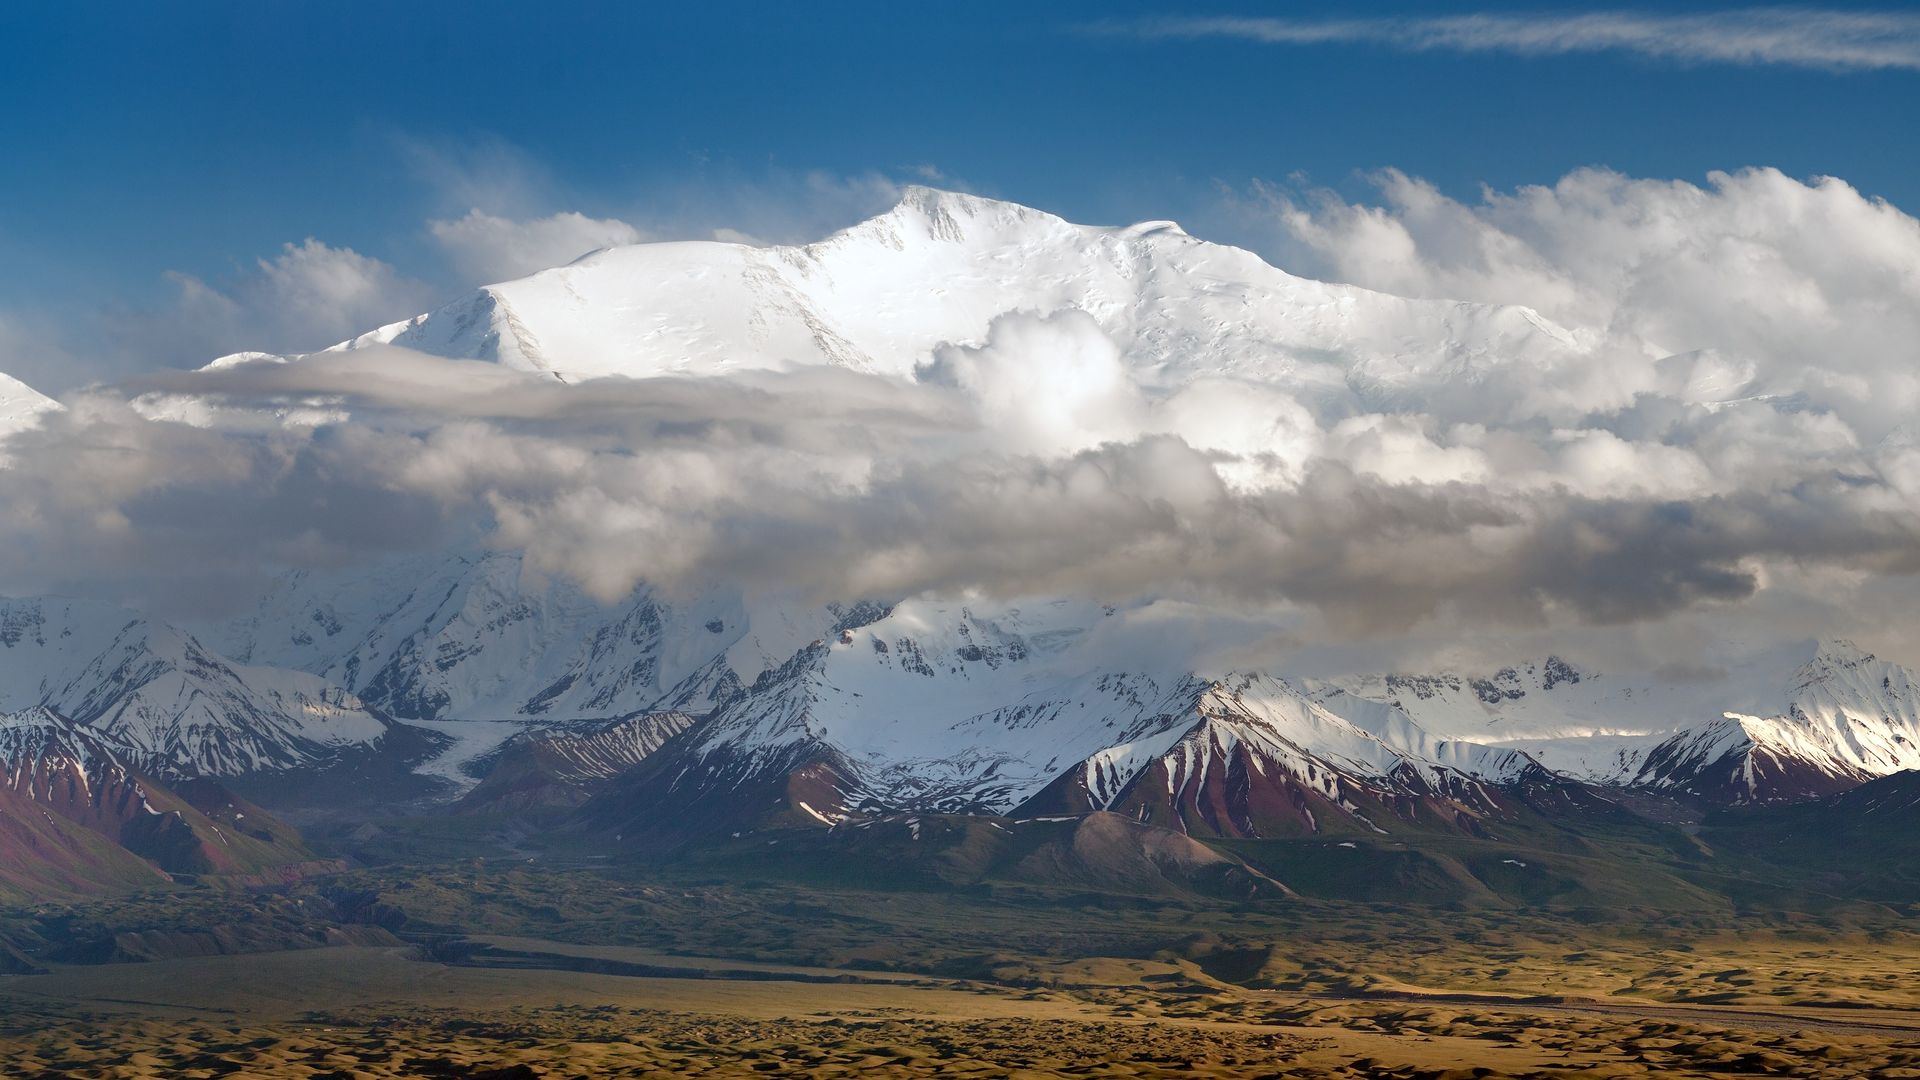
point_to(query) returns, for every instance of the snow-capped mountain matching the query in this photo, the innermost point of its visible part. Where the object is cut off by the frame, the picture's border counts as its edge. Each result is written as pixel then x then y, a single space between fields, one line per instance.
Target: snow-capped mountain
pixel 78 815
pixel 156 691
pixel 706 701
pixel 564 766
pixel 950 708
pixel 1770 731
pixel 470 636
pixel 927 703
pixel 1848 717
pixel 1254 756
pixel 937 269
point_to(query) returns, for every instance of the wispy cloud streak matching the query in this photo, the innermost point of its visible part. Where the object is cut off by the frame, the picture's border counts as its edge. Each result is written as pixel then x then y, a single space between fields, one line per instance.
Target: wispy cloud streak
pixel 1798 37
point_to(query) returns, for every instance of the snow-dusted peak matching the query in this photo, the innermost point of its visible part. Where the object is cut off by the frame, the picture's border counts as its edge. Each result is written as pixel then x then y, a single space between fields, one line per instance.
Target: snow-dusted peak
pixel 939 268
pixel 1832 656
pixel 154 687
pixel 1841 677
pixel 32 718
pixel 38 735
pixel 930 217
pixel 1369 741
pixel 1784 724
pixel 958 217
pixel 932 214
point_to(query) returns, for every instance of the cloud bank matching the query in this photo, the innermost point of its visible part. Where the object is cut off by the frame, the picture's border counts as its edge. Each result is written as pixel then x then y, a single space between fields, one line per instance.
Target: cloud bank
pixel 1733 439
pixel 1797 36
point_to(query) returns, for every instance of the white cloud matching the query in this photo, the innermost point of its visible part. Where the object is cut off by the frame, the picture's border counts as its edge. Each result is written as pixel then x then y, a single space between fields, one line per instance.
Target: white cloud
pixel 1801 37
pixel 325 289
pixel 1755 284
pixel 309 296
pixel 487 172
pixel 989 478
pixel 487 248
pixel 1052 384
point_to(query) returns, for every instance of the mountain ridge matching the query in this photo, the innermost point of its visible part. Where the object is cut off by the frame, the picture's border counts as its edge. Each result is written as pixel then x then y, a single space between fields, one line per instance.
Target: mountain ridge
pixel 78 815
pixel 860 299
pixel 926 703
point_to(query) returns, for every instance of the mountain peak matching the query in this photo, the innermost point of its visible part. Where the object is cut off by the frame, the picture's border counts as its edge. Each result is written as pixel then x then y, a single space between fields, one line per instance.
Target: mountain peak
pixel 933 200
pixel 33 716
pixel 949 212
pixel 1832 658
pixel 1840 651
pixel 938 268
pixel 928 213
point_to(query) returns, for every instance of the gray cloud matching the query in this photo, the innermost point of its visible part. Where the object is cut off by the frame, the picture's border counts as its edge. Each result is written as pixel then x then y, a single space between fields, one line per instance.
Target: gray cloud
pixel 1800 37
pixel 844 484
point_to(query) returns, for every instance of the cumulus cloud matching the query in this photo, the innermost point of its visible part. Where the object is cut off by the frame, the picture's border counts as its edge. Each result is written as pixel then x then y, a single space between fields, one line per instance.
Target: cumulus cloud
pixel 850 484
pixel 306 296
pixel 486 248
pixel 1756 284
pixel 1053 384
pixel 104 501
pixel 1800 37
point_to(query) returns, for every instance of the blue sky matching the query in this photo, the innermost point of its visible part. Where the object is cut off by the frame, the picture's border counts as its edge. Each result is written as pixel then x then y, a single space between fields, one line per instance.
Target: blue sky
pixel 143 139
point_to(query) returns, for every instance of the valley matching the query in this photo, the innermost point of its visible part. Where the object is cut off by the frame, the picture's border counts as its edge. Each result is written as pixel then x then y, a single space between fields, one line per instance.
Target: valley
pixel 661 974
pixel 515 803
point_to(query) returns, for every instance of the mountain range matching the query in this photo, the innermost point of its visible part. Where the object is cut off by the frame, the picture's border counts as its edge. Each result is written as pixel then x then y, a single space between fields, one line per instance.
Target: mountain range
pixel 79 814
pixel 671 714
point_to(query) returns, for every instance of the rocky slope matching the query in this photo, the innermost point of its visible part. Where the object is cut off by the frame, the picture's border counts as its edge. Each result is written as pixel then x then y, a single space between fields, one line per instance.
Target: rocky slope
pixel 947 709
pixel 564 767
pixel 79 816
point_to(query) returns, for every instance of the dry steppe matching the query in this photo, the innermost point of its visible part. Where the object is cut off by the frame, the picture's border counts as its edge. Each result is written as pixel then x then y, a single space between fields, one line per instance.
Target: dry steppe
pixel 358 1012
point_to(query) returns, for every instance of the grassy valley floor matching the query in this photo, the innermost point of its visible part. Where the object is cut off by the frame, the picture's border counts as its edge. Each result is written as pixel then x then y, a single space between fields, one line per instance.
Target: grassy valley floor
pixel 508 969
pixel 358 1012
